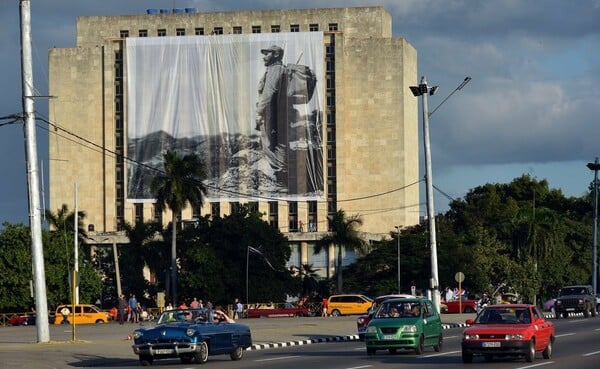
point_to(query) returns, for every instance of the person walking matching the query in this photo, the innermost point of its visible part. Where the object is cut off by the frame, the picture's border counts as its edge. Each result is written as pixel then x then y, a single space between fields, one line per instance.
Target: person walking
pixel 133 308
pixel 122 306
pixel 324 307
pixel 238 309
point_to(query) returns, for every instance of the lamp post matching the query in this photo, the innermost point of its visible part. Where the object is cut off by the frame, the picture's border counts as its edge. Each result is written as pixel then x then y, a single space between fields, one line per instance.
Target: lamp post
pixel 595 166
pixel 424 90
pixel 398 228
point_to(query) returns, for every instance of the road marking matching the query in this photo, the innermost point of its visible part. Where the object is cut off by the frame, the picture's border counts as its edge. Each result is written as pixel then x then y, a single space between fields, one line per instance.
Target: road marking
pixel 564 335
pixel 448 337
pixel 279 358
pixel 360 367
pixel 440 354
pixel 536 365
pixel 591 353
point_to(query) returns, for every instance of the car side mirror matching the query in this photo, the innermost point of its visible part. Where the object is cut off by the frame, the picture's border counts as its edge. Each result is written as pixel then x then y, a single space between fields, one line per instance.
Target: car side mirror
pixel 540 320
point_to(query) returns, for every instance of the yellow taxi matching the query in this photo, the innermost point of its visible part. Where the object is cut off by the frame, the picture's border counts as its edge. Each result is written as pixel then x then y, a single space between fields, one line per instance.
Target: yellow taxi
pixel 83 314
pixel 348 304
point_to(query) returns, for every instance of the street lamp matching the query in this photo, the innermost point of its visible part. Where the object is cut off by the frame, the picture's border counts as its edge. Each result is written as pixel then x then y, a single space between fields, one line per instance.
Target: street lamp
pixel 423 90
pixel 398 228
pixel 595 166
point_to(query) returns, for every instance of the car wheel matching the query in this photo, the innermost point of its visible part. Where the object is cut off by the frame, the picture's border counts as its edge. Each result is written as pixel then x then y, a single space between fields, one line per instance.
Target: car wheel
pixel 335 312
pixel 186 359
pixel 237 354
pixel 438 347
pixel 361 336
pixel 99 321
pixel 201 355
pixel 530 353
pixel 547 353
pixel 467 357
pixel 370 351
pixel 420 347
pixel 565 314
pixel 146 360
pixel 299 315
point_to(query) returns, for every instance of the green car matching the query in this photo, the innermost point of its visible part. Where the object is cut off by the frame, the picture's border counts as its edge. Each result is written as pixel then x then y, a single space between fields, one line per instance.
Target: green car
pixel 408 323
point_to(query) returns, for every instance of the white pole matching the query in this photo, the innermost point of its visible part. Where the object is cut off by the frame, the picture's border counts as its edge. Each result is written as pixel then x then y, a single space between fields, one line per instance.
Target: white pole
pixel 37 248
pixel 76 253
pixel 430 212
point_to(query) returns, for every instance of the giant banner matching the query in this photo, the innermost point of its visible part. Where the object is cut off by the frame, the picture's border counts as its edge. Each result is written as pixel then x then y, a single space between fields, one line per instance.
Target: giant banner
pixel 251 106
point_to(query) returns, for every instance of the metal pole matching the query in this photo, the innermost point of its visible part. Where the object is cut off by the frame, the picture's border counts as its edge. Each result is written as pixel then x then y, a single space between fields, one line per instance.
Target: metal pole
pixel 429 191
pixel 595 236
pixel 398 236
pixel 37 248
pixel 247 257
pixel 76 251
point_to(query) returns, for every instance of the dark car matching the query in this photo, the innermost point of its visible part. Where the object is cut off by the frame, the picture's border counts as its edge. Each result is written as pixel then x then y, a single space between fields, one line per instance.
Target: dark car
pixel 508 330
pixel 191 335
pixel 576 299
pixel 285 309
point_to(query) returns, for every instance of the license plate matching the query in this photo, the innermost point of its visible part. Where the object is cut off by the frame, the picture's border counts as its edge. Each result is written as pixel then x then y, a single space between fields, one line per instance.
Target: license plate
pixel 490 344
pixel 164 351
pixel 389 336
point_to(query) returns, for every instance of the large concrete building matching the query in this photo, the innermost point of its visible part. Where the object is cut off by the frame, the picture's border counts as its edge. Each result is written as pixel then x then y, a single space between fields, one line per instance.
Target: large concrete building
pixel 366 125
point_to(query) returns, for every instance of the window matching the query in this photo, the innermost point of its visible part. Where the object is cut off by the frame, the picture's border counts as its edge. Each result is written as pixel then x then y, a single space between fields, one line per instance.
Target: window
pixel 157 214
pixel 275 28
pixel 255 29
pixel 293 206
pixel 180 31
pixel 237 30
pixel 161 32
pixel 139 212
pixel 333 26
pixel 199 31
pixel 196 210
pixel 294 28
pixel 124 33
pixel 330 135
pixel 143 33
pixel 215 209
pixel 218 31
pixel 253 207
pixel 234 207
pixel 314 27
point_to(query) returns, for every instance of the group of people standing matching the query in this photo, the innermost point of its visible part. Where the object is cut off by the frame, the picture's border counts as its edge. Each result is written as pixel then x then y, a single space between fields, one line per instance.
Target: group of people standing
pixel 129 310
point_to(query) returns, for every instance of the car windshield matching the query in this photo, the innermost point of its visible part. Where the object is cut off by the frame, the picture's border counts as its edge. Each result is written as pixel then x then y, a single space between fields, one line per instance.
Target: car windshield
pixel 504 316
pixel 572 291
pixel 183 315
pixel 398 309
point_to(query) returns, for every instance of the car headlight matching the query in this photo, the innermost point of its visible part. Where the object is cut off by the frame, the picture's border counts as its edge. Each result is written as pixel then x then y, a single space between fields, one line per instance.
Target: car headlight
pixel 190 332
pixel 371 329
pixel 409 328
pixel 471 336
pixel 137 334
pixel 516 336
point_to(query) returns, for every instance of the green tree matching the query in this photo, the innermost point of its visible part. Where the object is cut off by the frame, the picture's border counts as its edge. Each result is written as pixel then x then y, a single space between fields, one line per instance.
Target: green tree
pixel 180 184
pixel 343 233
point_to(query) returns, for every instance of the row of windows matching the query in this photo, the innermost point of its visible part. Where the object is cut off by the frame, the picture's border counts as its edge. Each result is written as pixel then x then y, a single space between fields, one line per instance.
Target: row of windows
pixel 199 31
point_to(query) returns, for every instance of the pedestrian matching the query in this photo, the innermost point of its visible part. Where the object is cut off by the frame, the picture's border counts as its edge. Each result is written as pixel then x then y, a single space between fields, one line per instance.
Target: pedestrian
pixel 195 304
pixel 122 306
pixel 133 308
pixel 238 309
pixel 324 307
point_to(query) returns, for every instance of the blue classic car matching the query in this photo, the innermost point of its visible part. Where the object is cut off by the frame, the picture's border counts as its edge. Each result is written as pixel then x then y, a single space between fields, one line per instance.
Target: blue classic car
pixel 191 335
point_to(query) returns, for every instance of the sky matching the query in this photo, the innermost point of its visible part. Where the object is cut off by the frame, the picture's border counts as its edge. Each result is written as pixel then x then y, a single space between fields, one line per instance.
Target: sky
pixel 532 106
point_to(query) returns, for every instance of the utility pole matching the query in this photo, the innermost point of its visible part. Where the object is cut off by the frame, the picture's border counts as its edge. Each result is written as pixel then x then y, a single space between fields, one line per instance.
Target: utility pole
pixel 35 224
pixel 595 166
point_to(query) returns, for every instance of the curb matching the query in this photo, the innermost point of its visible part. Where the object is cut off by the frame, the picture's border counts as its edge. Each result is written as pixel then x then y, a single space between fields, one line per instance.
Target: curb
pixel 354 337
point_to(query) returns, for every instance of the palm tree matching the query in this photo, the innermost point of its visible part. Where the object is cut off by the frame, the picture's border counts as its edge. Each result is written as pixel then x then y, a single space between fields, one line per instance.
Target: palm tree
pixel 179 185
pixel 342 233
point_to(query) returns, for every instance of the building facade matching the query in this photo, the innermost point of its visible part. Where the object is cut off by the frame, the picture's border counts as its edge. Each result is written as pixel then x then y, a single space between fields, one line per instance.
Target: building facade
pixel 365 149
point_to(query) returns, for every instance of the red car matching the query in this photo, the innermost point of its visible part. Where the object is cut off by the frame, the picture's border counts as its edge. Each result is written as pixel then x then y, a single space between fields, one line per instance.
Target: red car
pixel 279 310
pixel 508 330
pixel 363 321
pixel 455 306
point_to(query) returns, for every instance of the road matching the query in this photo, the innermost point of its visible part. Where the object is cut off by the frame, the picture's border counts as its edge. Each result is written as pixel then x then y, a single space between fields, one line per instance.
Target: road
pixel 577 346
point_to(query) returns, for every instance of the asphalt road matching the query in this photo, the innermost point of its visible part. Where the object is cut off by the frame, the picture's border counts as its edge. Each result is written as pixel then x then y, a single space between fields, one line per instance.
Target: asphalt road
pixel 109 345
